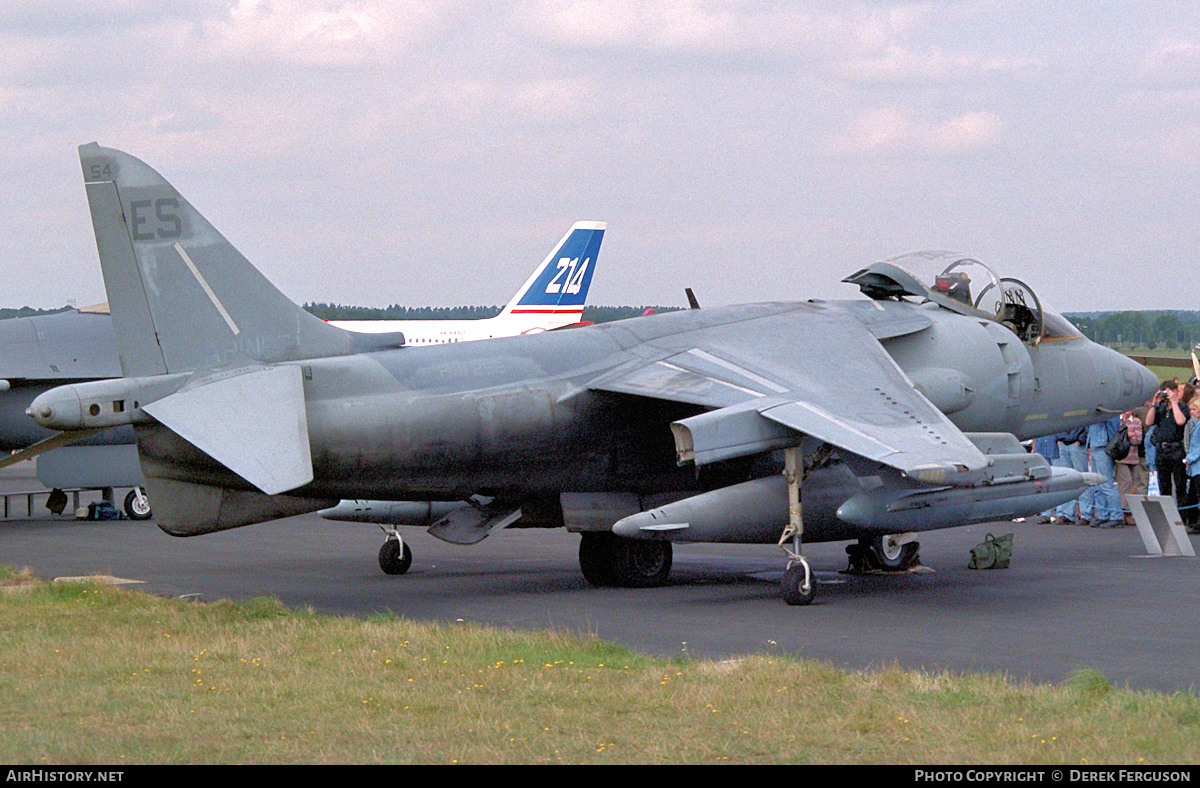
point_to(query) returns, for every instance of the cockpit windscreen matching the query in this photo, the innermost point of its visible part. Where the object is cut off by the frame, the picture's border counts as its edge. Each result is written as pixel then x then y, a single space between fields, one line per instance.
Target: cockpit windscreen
pixel 967 286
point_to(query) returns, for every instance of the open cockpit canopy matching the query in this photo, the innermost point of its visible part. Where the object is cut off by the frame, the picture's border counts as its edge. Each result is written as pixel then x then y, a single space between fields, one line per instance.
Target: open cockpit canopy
pixel 966 286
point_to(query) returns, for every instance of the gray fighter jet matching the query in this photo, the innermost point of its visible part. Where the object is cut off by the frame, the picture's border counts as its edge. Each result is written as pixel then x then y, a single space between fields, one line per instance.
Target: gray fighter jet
pixel 78 345
pixel 892 414
pixel 45 351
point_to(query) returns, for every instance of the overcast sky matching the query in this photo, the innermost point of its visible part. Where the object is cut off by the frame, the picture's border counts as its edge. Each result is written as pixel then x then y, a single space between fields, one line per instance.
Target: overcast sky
pixel 432 152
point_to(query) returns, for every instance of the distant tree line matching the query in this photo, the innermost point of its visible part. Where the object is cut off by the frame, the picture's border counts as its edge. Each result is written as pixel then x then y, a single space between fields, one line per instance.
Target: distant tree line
pixel 594 314
pixel 606 314
pixel 1170 329
pixel 397 312
pixel 28 311
pixel 1151 329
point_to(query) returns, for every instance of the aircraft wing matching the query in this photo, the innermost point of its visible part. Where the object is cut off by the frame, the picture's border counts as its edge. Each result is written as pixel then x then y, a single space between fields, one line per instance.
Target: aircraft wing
pixel 818 371
pixel 71 345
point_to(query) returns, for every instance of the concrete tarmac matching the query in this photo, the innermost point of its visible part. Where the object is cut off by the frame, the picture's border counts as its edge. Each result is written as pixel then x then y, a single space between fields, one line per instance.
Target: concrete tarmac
pixel 1073 598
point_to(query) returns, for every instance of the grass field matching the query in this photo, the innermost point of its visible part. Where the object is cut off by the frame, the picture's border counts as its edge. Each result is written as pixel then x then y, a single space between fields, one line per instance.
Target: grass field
pixel 93 674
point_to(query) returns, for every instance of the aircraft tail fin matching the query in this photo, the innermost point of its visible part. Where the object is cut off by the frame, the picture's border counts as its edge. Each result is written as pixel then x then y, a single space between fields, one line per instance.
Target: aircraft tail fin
pixel 560 284
pixel 182 297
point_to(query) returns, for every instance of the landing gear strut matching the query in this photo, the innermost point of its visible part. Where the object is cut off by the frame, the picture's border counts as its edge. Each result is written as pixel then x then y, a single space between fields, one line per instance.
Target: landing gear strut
pixel 798 586
pixel 394 556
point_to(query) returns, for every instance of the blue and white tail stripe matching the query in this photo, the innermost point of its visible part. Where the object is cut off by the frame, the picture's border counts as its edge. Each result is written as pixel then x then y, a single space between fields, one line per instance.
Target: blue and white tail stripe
pixel 560 284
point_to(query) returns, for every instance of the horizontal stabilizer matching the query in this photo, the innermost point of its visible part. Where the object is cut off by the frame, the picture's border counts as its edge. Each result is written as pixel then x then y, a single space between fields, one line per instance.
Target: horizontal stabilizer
pixel 252 422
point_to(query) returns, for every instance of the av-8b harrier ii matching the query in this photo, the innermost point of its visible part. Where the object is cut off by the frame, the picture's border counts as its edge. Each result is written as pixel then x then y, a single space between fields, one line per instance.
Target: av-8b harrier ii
pixel 45 351
pixel 896 413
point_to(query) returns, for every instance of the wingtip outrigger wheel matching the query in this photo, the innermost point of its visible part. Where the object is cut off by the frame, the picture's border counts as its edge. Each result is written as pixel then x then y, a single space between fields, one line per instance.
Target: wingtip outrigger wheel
pixel 394 556
pixel 137 505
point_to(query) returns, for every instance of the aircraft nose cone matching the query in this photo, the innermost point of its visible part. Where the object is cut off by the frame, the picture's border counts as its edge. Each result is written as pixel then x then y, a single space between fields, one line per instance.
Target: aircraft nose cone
pixel 1149 383
pixel 1125 383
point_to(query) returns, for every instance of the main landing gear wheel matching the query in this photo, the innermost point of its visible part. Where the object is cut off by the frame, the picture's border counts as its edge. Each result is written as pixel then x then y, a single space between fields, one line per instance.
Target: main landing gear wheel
pixel 884 554
pixel 894 555
pixel 394 557
pixel 610 560
pixel 137 505
pixel 798 585
pixel 593 558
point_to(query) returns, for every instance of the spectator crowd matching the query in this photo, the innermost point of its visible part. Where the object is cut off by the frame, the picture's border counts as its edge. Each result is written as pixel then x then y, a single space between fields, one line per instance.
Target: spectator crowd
pixel 1152 449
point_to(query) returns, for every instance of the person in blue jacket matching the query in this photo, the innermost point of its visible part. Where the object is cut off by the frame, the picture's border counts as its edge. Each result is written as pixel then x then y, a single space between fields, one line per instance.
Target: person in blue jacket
pixel 1072 453
pixel 1047 446
pixel 1191 463
pixel 1101 504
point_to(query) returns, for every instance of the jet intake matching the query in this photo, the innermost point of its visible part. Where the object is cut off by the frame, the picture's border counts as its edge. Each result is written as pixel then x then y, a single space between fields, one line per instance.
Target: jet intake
pixel 947 389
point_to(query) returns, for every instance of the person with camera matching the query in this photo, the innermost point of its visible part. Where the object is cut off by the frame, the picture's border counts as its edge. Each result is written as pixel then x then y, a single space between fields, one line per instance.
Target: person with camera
pixel 1167 416
pixel 1191 464
pixel 1131 472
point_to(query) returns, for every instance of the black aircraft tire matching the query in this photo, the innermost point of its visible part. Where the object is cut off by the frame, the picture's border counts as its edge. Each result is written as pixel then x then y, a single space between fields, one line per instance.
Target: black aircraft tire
pixel 595 557
pixel 137 508
pixel 894 558
pixel 793 593
pixel 640 563
pixel 390 559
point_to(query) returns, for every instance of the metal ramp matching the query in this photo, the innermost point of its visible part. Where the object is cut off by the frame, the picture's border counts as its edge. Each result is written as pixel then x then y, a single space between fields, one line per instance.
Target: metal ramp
pixel 1160 526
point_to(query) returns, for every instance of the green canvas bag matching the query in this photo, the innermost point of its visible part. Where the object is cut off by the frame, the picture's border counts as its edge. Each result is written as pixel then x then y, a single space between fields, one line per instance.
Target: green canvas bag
pixel 993 553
